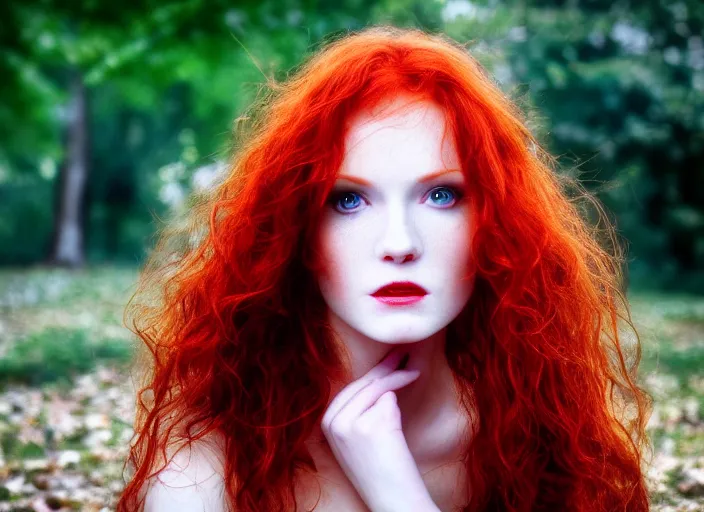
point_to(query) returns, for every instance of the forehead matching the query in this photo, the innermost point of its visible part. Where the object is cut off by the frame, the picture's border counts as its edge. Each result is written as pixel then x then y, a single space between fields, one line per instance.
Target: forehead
pixel 399 134
pixel 398 114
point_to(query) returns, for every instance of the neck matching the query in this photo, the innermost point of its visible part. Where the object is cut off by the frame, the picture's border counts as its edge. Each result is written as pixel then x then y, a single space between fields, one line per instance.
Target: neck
pixel 420 402
pixel 416 400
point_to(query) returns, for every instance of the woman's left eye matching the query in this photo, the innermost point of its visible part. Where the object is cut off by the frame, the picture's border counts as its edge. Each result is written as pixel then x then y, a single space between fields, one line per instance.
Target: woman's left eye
pixel 444 195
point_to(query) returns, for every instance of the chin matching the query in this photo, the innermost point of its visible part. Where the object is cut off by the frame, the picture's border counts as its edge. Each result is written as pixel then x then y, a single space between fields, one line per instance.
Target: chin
pixel 401 341
pixel 393 337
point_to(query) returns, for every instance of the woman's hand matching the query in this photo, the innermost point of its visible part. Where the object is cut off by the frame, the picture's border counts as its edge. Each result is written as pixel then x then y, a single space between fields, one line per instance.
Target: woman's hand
pixel 363 427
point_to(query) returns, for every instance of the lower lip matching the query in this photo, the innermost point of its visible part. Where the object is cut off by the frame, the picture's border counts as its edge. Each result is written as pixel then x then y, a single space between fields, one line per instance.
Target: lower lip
pixel 398 300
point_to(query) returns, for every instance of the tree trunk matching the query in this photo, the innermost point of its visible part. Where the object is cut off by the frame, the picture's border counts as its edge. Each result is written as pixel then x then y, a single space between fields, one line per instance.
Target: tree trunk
pixel 68 240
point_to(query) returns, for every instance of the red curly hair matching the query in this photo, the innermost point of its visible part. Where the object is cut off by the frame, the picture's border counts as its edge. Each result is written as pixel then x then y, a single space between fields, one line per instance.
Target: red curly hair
pixel 237 334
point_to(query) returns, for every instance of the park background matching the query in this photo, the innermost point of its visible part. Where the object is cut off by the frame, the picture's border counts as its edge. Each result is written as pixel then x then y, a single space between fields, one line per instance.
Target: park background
pixel 114 115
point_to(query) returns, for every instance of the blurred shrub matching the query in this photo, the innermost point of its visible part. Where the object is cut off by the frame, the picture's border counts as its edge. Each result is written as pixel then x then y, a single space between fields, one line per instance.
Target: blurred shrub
pixel 57 354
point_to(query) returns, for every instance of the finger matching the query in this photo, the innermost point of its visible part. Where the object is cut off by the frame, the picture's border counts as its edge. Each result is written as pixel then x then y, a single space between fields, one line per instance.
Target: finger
pixel 367 397
pixel 385 409
pixel 382 369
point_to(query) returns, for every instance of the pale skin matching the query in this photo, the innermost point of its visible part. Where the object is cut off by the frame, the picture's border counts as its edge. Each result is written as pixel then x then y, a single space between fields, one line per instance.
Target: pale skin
pixel 401 222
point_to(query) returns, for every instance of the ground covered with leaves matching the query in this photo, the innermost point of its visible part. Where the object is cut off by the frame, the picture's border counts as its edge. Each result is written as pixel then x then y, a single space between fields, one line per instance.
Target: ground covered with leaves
pixel 67 401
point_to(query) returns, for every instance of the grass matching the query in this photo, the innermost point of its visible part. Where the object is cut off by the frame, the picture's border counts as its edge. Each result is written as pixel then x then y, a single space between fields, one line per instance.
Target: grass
pixel 58 323
pixel 56 354
pixel 46 287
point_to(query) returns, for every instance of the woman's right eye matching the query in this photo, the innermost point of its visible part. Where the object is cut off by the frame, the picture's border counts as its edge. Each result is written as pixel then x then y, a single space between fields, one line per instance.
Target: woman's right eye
pixel 345 201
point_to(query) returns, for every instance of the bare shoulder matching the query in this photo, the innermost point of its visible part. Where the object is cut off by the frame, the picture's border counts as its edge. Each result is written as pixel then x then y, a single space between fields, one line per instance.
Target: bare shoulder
pixel 193 480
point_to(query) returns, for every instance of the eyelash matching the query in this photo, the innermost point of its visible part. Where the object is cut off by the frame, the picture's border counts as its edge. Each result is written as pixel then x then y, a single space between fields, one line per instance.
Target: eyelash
pixel 337 196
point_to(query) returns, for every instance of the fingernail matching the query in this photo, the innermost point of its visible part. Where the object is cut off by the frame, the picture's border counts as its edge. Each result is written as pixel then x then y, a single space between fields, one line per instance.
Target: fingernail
pixel 412 374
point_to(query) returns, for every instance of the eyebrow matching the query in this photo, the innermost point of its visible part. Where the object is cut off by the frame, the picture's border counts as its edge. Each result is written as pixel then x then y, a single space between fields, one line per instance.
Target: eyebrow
pixel 423 179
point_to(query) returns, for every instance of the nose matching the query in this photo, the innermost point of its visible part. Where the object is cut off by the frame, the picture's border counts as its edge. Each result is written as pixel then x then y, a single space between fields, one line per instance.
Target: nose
pixel 399 242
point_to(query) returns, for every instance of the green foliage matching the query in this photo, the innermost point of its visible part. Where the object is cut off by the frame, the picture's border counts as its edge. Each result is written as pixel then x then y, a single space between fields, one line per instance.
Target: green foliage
pixel 75 440
pixel 9 443
pixel 682 362
pixel 25 221
pixel 30 451
pixel 58 354
pixel 13 449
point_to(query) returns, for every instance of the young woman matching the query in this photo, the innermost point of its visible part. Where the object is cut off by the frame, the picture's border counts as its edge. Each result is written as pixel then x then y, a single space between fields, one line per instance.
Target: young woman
pixel 391 303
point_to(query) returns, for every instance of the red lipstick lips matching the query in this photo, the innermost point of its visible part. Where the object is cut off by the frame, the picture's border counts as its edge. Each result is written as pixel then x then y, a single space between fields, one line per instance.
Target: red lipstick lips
pixel 400 293
pixel 400 289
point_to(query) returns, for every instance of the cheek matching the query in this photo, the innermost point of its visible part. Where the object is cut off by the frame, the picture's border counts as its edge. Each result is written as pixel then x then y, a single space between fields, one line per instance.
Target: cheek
pixel 453 255
pixel 449 238
pixel 334 251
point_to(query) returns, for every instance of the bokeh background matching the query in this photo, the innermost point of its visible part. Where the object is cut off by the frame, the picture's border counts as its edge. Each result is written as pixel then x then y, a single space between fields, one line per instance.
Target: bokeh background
pixel 113 114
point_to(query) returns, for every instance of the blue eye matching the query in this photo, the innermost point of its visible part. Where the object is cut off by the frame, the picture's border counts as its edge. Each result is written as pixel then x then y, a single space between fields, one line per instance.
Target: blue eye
pixel 445 195
pixel 344 199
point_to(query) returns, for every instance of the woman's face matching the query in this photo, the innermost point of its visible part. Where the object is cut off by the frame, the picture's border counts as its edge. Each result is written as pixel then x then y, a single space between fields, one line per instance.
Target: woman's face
pixel 398 212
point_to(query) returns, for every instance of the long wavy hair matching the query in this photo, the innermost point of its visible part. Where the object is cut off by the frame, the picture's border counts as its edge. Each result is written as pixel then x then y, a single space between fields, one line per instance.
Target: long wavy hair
pixel 545 353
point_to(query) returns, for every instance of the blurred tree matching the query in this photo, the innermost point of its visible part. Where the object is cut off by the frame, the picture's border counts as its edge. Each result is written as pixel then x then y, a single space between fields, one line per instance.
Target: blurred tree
pixel 68 247
pixel 59 46
pixel 146 56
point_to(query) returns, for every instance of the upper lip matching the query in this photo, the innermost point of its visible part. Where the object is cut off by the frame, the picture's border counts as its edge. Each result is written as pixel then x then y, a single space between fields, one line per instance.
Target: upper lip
pixel 400 288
